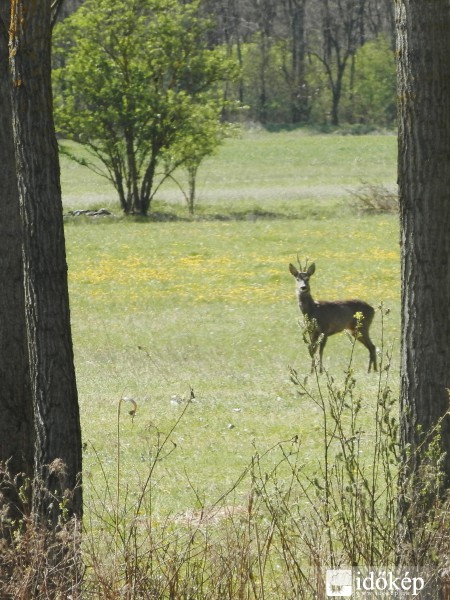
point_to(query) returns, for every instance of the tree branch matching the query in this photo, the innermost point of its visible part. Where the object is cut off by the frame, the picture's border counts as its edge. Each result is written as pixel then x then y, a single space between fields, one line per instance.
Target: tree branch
pixel 56 7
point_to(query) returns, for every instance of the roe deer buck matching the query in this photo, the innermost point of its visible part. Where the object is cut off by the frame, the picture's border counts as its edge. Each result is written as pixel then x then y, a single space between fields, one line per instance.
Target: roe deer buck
pixel 326 318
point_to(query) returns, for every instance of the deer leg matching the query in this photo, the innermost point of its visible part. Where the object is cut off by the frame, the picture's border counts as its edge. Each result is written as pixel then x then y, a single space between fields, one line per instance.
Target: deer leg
pixel 373 357
pixel 364 338
pixel 323 341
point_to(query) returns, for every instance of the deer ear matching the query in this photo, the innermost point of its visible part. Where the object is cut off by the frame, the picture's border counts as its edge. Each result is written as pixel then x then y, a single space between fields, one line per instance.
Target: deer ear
pixel 293 271
pixel 311 269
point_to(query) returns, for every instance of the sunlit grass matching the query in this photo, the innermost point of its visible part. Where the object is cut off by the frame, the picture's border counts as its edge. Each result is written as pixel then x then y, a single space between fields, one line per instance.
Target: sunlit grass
pixel 296 173
pixel 159 308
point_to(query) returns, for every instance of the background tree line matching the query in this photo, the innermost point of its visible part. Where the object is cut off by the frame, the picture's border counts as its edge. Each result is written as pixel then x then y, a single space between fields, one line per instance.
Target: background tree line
pixel 318 62
pixel 151 87
pixel 305 61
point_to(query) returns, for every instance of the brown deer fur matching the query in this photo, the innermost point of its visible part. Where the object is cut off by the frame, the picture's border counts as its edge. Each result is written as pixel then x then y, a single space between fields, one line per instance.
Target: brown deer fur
pixel 326 318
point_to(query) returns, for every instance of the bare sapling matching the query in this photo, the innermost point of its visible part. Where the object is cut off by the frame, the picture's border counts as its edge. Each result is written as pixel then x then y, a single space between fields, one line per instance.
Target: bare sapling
pixel 326 318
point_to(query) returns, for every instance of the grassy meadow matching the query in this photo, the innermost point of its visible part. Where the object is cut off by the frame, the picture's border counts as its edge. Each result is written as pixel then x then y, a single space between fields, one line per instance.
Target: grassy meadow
pixel 170 304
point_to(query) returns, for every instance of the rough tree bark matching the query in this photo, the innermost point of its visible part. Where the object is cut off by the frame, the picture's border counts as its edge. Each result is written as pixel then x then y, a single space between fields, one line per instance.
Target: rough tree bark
pixel 423 49
pixel 57 459
pixel 16 422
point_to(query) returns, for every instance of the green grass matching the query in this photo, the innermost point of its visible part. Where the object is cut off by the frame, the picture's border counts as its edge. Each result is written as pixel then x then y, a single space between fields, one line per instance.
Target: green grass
pixel 160 307
pixel 298 174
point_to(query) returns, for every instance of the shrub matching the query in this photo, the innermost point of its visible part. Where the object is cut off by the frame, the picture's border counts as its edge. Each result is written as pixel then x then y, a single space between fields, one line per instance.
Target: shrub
pixel 373 98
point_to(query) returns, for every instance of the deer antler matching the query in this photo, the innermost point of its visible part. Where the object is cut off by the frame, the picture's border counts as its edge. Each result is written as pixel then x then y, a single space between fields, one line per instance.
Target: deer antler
pixel 300 263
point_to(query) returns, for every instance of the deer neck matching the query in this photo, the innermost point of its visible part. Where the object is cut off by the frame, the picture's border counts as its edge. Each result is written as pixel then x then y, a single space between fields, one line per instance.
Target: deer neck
pixel 306 303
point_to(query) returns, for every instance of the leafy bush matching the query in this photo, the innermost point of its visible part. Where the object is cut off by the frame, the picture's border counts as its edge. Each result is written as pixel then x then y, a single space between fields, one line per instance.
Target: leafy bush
pixel 373 97
pixel 135 83
pixel 271 104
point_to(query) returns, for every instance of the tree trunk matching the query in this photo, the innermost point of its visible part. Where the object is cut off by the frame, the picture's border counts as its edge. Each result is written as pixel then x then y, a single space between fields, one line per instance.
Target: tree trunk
pixel 336 89
pixel 423 49
pixel 133 184
pixel 296 10
pixel 56 417
pixel 265 14
pixel 192 180
pixel 263 110
pixel 16 422
pixel 335 101
pixel 142 207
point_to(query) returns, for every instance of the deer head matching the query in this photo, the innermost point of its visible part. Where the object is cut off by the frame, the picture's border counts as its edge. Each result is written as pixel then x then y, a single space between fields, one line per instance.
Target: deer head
pixel 302 277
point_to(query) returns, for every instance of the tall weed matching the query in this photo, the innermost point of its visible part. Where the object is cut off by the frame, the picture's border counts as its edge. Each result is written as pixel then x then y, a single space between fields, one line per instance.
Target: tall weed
pixel 292 514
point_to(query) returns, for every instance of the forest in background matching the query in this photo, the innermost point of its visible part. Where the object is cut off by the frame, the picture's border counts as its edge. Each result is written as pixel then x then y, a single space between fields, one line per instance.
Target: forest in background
pixel 324 63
